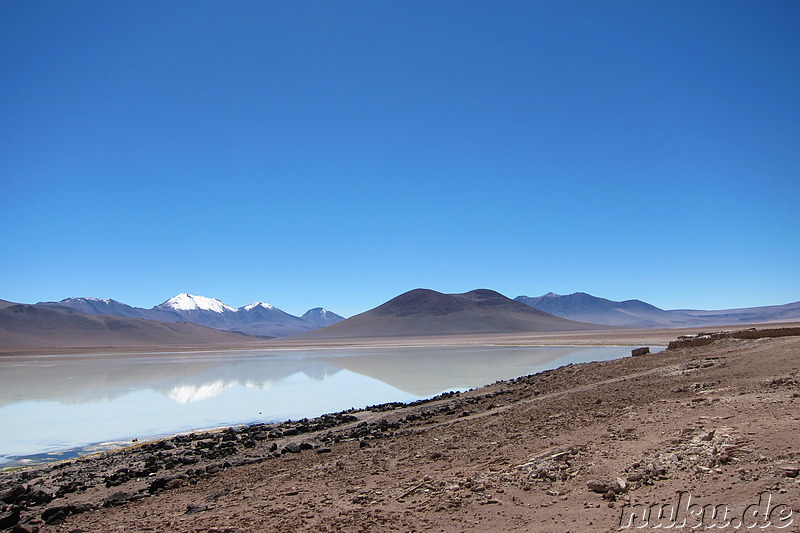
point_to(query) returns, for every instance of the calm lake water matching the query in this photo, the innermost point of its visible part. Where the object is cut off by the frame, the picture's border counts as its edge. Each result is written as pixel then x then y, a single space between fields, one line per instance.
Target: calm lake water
pixel 52 407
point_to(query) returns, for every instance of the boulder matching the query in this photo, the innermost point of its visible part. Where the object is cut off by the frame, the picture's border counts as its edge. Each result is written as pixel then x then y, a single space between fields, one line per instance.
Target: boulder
pixel 12 494
pixel 292 447
pixel 9 518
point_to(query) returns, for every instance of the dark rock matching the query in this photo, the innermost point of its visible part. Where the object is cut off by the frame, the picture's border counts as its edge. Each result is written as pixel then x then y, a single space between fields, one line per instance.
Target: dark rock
pixel 37 495
pixel 205 444
pixel 56 513
pixel 117 498
pixel 323 450
pixel 292 447
pixel 9 518
pixel 601 486
pixel 174 483
pixel 229 435
pixel 72 486
pixel 119 477
pixel 159 483
pixel 28 528
pixel 306 446
pixel 78 508
pixel 11 495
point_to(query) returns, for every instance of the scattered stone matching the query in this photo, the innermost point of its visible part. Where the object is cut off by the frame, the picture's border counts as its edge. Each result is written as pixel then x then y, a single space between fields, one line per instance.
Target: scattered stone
pixel 117 498
pixel 37 495
pixel 790 471
pixel 29 528
pixel 56 513
pixel 292 447
pixel 12 495
pixel 9 518
pixel 197 508
pixel 707 436
pixel 604 486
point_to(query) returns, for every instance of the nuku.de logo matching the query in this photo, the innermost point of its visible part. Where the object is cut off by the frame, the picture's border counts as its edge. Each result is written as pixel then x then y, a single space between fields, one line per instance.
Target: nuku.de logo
pixel 686 514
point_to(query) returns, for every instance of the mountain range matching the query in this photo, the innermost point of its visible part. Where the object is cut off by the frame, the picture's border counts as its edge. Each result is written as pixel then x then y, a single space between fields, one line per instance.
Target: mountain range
pixel 637 314
pixel 259 318
pixel 191 320
pixel 25 326
pixel 421 312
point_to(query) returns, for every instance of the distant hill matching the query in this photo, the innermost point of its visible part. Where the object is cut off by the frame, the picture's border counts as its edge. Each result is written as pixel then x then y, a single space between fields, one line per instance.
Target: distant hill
pixel 6 303
pixel 41 326
pixel 635 313
pixel 426 312
pixel 588 308
pixel 749 315
pixel 258 318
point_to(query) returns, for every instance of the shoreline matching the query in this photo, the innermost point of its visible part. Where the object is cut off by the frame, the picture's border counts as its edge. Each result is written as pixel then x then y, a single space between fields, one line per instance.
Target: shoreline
pixel 656 336
pixel 55 456
pixel 384 453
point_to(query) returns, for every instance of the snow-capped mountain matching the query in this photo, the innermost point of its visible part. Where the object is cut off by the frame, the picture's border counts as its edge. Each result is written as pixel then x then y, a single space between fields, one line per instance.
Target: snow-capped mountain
pixel 321 317
pixel 190 302
pixel 96 306
pixel 256 305
pixel 208 312
pixel 258 318
pixel 252 319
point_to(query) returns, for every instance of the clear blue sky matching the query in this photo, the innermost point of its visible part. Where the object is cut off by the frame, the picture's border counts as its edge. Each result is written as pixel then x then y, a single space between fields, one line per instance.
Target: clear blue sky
pixel 338 153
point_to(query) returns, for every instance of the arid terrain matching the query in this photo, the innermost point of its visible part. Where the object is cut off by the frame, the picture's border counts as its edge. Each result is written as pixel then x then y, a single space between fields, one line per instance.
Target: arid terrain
pixel 574 449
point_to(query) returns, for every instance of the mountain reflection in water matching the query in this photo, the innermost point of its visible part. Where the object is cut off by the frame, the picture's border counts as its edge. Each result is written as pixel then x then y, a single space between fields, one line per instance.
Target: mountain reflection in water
pixel 57 402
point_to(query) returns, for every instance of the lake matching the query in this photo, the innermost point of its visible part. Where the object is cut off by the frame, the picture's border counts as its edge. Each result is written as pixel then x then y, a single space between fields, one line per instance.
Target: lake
pixel 53 407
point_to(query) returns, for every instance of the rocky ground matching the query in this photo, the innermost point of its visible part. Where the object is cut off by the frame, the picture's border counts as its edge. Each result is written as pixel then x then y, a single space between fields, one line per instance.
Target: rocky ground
pixel 581 448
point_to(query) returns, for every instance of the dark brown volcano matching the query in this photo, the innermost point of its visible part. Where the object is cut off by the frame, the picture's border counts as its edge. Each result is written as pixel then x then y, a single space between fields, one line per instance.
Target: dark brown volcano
pixel 427 312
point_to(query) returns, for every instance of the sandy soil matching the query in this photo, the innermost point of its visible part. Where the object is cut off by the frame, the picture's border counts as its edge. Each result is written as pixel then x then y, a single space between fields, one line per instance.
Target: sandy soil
pixel 567 450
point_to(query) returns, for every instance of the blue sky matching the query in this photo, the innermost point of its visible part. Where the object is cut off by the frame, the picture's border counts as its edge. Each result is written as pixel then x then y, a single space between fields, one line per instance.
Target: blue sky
pixel 339 153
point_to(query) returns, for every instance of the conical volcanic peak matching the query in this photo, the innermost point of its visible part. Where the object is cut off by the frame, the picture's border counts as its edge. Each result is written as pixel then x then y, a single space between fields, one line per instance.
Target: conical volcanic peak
pixel 420 302
pixel 421 312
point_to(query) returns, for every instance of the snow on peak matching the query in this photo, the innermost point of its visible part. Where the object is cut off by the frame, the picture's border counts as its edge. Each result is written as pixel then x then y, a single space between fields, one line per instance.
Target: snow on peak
pixel 253 305
pixel 190 302
pixel 85 299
